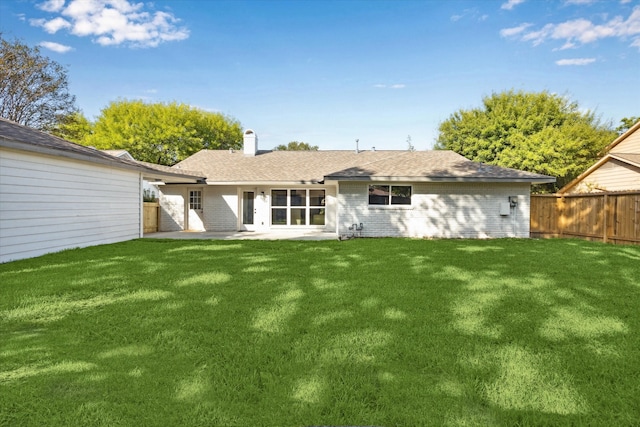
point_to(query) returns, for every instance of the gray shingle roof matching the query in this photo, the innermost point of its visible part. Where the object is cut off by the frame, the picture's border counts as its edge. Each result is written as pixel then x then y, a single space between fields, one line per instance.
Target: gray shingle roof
pixel 315 166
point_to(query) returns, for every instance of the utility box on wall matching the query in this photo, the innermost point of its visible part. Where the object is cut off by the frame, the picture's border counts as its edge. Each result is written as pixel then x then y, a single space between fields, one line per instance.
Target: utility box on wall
pixel 505 208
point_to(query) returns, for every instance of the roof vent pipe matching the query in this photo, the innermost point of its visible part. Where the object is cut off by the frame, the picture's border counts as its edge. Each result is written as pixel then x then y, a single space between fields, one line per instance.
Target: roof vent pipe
pixel 357 149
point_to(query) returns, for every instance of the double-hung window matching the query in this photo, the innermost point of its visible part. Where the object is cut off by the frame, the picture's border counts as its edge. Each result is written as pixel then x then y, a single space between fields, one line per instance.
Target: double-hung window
pixel 389 195
pixel 297 206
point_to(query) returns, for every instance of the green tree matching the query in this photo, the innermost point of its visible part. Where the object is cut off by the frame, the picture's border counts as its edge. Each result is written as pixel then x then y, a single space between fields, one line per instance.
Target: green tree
pixel 33 88
pixel 73 127
pixel 626 123
pixel 162 133
pixel 296 146
pixel 536 132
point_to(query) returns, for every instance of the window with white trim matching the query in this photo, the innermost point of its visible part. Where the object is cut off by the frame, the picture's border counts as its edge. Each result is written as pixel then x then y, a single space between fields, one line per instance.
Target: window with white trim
pixel 298 206
pixel 381 195
pixel 195 199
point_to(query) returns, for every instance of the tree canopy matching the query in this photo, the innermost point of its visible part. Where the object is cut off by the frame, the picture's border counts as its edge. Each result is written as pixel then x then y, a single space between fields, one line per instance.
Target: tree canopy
pixel 536 132
pixel 627 123
pixel 296 146
pixel 33 88
pixel 162 133
pixel 74 127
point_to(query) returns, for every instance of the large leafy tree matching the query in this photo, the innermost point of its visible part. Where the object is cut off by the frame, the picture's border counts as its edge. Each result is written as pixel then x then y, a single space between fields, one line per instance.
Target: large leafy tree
pixel 33 88
pixel 627 123
pixel 73 127
pixel 296 146
pixel 537 132
pixel 162 133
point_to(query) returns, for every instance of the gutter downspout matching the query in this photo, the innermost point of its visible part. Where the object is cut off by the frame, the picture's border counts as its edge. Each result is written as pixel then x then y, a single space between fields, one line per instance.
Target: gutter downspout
pixel 140 205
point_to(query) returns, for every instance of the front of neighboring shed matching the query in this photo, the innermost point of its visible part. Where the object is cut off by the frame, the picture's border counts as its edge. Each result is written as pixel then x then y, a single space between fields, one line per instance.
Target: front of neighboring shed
pixel 57 195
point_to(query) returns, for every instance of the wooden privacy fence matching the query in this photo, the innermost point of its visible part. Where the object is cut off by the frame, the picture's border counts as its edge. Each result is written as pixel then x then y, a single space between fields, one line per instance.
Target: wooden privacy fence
pixel 150 217
pixel 607 217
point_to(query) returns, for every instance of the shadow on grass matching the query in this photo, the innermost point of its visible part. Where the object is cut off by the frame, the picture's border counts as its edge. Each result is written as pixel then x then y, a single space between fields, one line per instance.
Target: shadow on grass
pixel 385 332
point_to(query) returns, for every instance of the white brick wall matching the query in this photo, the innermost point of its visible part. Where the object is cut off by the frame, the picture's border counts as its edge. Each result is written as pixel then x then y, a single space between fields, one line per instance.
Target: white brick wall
pixel 220 208
pixel 445 210
pixel 172 204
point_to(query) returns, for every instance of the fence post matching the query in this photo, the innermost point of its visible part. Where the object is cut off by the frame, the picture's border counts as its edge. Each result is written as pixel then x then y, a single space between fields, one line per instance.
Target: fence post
pixel 605 224
pixel 560 214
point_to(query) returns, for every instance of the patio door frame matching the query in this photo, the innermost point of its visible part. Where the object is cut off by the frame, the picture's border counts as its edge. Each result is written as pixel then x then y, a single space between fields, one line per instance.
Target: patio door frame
pixel 244 204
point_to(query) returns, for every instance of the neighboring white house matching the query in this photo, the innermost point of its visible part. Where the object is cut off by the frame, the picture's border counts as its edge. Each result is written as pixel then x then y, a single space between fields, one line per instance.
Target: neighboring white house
pixel 57 195
pixel 386 193
pixel 618 170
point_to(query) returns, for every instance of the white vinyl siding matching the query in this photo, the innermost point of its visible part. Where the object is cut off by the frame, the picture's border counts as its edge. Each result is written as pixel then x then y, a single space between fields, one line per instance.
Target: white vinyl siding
pixel 48 204
pixel 630 145
pixel 438 210
pixel 611 176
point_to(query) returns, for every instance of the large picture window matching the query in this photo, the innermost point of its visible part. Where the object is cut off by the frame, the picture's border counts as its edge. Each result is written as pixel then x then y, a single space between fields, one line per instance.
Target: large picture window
pixel 390 195
pixel 297 207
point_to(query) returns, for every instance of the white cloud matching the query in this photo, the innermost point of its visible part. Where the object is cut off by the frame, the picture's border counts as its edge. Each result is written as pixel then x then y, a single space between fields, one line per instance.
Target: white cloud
pixel 52 5
pixel 567 45
pixel 472 13
pixel 52 26
pixel 580 2
pixel 581 31
pixel 510 32
pixel 56 47
pixel 112 22
pixel 510 4
pixel 575 61
pixel 394 86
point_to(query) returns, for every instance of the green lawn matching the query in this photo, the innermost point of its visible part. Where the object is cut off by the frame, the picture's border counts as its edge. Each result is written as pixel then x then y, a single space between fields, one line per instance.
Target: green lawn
pixel 378 332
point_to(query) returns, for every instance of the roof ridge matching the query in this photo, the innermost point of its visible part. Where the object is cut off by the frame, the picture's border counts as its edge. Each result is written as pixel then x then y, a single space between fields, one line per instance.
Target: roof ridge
pixel 401 153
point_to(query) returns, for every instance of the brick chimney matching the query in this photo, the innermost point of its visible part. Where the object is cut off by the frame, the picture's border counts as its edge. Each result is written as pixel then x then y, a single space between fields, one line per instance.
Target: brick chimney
pixel 250 143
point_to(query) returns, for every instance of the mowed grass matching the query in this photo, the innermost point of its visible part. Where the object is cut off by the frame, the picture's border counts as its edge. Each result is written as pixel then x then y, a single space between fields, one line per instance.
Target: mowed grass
pixel 385 332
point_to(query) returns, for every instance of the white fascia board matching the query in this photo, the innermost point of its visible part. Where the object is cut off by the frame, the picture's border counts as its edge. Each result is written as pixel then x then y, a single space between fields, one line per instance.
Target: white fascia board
pixel 265 183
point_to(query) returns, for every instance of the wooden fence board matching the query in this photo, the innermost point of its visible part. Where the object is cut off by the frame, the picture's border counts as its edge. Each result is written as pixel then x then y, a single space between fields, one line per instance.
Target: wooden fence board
pixel 608 217
pixel 150 217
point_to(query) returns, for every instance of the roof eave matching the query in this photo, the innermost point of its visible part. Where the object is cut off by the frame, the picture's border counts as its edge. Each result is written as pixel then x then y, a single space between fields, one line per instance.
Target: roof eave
pixel 168 178
pixel 147 173
pixel 624 160
pixel 265 183
pixel 58 152
pixel 533 180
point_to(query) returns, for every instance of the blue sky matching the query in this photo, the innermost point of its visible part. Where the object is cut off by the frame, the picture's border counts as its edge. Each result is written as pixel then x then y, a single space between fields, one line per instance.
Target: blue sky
pixel 331 72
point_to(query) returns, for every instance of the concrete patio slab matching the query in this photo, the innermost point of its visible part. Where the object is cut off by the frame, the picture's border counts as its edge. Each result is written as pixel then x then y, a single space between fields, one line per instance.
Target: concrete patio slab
pixel 243 235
